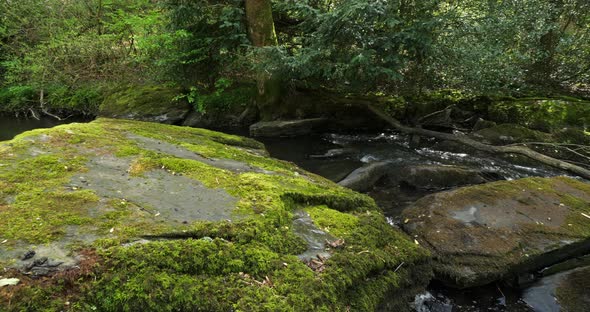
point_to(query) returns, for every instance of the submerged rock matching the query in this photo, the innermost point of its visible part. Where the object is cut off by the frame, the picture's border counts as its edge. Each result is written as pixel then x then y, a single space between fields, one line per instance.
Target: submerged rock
pixel 480 234
pixel 437 176
pixel 131 215
pixel 336 153
pixel 423 177
pixel 363 178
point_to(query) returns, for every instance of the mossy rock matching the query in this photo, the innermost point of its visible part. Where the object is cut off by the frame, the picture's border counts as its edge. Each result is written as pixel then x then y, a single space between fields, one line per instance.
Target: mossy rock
pixel 484 233
pixel 571 136
pixel 147 103
pixel 230 108
pixel 541 113
pixel 550 144
pixel 511 133
pixel 131 216
pixel 573 291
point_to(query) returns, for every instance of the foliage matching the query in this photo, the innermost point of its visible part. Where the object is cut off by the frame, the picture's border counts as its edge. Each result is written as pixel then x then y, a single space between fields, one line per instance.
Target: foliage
pixel 542 114
pixel 213 38
pixel 65 49
pixel 482 47
pixel 509 46
pixel 225 96
pixel 358 44
pixel 501 46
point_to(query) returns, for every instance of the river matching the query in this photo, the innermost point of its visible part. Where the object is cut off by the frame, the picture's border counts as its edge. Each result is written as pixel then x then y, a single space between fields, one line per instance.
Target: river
pixel 11 126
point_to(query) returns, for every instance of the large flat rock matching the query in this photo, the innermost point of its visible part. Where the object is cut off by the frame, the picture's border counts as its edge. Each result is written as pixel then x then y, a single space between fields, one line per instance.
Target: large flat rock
pixel 480 234
pixel 126 215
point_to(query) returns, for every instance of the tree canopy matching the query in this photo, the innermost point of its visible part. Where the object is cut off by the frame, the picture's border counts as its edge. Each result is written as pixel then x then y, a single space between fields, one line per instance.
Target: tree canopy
pixel 74 50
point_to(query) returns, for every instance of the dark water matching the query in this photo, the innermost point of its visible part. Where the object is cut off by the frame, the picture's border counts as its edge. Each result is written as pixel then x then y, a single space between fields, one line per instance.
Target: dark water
pixel 10 126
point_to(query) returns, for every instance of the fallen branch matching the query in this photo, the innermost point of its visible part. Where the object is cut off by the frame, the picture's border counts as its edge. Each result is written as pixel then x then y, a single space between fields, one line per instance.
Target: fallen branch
pixel 564 146
pixel 54 116
pixel 33 114
pixel 44 111
pixel 521 150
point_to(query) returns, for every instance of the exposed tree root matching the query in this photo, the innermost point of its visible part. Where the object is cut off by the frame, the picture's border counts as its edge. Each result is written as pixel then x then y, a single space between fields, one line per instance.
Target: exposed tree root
pixel 509 149
pixel 44 111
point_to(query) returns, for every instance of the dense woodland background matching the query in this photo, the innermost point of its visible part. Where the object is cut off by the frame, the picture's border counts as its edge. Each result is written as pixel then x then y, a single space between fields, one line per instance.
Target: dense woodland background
pixel 70 55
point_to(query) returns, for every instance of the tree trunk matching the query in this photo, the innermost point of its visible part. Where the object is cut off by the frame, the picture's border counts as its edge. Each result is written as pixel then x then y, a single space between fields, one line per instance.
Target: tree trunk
pixel 261 27
pixel 261 31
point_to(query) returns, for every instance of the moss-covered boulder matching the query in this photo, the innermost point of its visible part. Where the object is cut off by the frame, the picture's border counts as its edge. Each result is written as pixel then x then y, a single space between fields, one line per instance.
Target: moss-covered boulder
pixel 509 134
pixel 148 103
pixel 570 144
pixel 230 108
pixel 120 215
pixel 540 113
pixel 480 234
pixel 573 290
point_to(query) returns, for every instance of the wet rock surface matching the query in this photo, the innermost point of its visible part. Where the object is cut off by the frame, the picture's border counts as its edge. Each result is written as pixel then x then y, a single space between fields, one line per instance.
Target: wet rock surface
pixel 485 233
pixel 316 238
pixel 365 177
pixel 169 196
pixel 288 128
pixel 438 176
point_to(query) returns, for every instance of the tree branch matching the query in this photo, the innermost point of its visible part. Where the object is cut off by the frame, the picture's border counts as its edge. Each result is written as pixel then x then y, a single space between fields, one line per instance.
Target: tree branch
pixel 521 150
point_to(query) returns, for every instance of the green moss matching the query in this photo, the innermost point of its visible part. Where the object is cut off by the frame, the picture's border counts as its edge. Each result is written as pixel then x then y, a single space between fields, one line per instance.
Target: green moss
pixel 541 114
pixel 234 99
pixel 246 264
pixel 40 216
pixel 573 292
pixel 151 100
pixel 334 222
